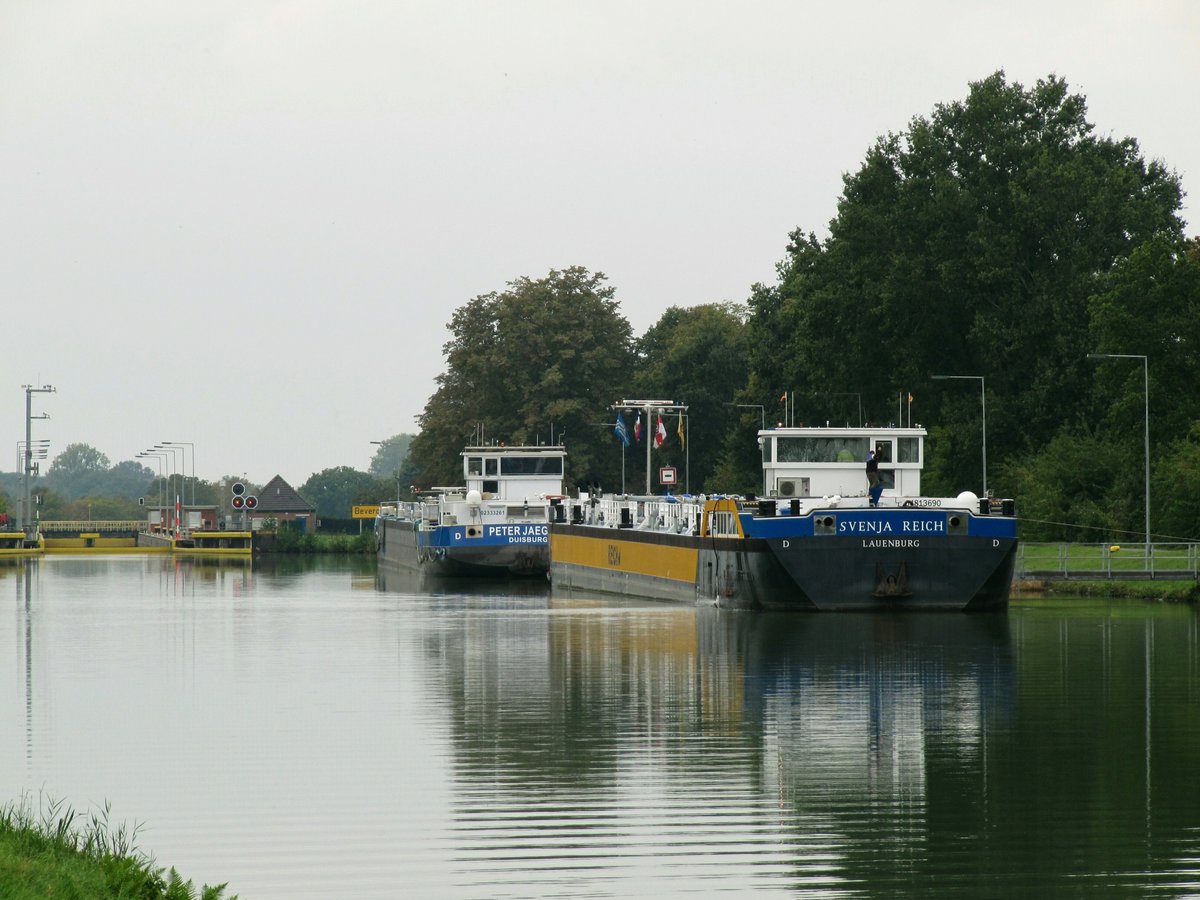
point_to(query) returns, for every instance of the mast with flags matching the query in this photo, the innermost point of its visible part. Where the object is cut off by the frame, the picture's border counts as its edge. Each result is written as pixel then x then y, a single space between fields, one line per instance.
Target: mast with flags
pixel 655 410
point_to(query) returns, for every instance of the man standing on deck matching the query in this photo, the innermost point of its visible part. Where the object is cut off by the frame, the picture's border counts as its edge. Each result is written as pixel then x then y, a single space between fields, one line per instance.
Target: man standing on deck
pixel 874 488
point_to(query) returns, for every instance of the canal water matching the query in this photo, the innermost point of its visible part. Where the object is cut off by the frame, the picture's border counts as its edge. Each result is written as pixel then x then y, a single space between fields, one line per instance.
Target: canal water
pixel 322 730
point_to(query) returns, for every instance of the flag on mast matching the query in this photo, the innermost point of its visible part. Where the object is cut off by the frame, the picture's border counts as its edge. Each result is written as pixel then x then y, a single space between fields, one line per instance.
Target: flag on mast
pixel 660 433
pixel 637 428
pixel 679 431
pixel 620 430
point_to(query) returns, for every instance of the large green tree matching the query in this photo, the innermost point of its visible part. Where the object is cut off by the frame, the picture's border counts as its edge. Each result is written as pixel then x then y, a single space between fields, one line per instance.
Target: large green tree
pixel 969 244
pixel 540 361
pixel 335 491
pixel 1077 488
pixel 129 479
pixel 78 471
pixel 1150 306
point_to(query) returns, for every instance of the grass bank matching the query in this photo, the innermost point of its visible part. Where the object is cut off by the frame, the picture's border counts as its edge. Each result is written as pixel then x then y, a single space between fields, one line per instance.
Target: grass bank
pixel 54 852
pixel 1155 591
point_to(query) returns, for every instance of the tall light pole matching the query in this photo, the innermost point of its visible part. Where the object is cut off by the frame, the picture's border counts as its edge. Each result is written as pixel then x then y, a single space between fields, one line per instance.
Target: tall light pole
pixel 181 497
pixel 161 455
pixel 192 448
pixel 983 408
pixel 1146 393
pixel 27 468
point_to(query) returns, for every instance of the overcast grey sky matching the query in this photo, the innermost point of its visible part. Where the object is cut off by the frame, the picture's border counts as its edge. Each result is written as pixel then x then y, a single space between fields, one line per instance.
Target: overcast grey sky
pixel 246 224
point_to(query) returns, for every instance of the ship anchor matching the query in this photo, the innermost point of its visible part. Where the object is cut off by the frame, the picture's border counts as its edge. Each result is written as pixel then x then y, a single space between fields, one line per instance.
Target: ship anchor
pixel 890 586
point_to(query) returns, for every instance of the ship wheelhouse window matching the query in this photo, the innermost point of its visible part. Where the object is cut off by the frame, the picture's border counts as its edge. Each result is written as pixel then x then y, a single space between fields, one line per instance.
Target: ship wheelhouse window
pixel 491 466
pixel 491 487
pixel 883 451
pixel 821 449
pixel 531 465
pixel 909 450
pixel 474 465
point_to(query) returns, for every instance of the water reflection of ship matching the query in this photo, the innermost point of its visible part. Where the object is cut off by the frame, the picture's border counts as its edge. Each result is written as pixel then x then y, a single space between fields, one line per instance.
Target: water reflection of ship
pixel 855 703
pixel 500 593
pixel 878 687
pixel 572 708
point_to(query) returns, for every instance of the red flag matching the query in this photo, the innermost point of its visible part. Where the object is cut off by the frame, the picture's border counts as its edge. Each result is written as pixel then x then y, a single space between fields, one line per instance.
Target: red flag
pixel 660 433
pixel 637 429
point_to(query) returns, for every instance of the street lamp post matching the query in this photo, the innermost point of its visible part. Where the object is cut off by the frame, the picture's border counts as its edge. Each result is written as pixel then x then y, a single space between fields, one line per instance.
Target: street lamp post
pixel 983 408
pixel 1146 397
pixel 181 498
pixel 161 456
pixel 192 449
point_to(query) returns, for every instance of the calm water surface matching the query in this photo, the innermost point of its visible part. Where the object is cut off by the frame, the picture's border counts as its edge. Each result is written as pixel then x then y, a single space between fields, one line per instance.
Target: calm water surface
pixel 322 730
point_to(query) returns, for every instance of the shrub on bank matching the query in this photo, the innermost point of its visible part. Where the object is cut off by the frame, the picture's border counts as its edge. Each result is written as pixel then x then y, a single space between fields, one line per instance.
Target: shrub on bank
pixel 292 540
pixel 55 854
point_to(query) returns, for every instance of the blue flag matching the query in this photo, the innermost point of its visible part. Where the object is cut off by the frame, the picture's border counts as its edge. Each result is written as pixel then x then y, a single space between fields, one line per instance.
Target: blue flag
pixel 620 431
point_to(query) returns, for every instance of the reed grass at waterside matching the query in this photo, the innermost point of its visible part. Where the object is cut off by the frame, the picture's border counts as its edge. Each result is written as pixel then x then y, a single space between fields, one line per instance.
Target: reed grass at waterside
pixel 55 852
pixel 288 540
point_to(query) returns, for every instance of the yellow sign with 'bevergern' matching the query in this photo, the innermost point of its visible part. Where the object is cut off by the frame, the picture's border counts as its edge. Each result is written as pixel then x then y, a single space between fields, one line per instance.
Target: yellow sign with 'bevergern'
pixel 364 512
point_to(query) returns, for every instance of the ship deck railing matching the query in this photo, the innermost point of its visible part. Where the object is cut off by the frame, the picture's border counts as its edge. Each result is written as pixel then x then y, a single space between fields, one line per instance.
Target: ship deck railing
pixel 646 513
pixel 1103 562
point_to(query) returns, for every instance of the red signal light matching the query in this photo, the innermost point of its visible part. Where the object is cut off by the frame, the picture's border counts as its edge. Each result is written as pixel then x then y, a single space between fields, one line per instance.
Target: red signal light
pixel 239 501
